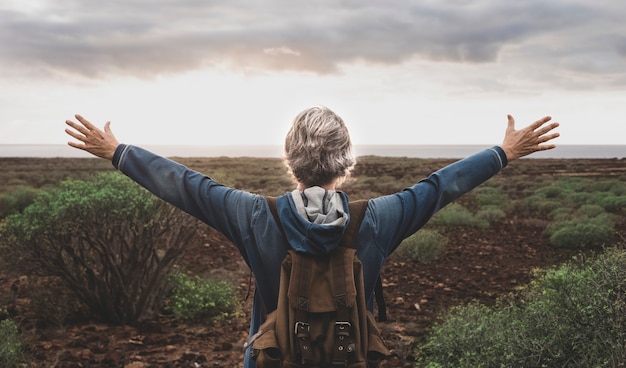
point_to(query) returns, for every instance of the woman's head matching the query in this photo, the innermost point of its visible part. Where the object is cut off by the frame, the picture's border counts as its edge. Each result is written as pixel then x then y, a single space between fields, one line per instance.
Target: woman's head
pixel 318 148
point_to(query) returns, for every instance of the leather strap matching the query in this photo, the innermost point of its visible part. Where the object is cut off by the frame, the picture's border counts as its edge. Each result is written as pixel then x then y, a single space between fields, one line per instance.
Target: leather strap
pixel 343 339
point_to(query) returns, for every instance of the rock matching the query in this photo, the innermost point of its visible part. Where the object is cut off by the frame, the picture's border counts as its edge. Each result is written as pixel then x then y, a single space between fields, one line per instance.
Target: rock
pixel 170 348
pixel 135 365
pixel 85 354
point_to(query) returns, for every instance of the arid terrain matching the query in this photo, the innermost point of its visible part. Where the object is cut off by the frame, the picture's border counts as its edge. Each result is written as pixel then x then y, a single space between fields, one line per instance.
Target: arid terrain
pixel 478 264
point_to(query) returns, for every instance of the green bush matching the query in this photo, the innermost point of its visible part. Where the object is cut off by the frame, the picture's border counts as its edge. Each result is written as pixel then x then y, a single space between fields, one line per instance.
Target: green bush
pixel 571 316
pixel 16 200
pixel 552 191
pixel 111 241
pixel 582 210
pixel 577 192
pixel 470 336
pixel 491 214
pixel 561 214
pixel 580 198
pixel 456 215
pixel 490 196
pixel 614 204
pixel 540 205
pixel 424 246
pixel 615 186
pixel 12 349
pixel 582 232
pixel 195 299
pixel 589 211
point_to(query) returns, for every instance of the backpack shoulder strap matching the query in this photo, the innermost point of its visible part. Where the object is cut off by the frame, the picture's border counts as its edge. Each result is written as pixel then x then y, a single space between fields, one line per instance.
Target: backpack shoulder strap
pixel 357 212
pixel 271 201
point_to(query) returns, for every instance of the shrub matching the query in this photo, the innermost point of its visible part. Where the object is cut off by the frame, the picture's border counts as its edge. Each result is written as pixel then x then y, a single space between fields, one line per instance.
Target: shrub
pixel 490 196
pixel 12 350
pixel 424 246
pixel 570 316
pixel 561 214
pixel 539 204
pixel 111 241
pixel 469 336
pixel 615 186
pixel 194 299
pixel 552 191
pixel 456 215
pixel 580 198
pixel 491 214
pixel 16 200
pixel 589 210
pixel 582 232
pixel 614 204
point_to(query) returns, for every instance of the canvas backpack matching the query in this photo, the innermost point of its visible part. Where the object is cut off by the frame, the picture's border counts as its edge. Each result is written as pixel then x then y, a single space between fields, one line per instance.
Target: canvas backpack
pixel 321 319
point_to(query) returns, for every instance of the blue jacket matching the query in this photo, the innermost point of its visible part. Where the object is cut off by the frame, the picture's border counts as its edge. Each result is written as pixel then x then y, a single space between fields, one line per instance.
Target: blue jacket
pixel 245 219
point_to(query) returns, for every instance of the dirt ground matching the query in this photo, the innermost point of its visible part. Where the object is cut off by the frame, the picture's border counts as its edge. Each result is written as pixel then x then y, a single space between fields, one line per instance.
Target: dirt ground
pixel 479 264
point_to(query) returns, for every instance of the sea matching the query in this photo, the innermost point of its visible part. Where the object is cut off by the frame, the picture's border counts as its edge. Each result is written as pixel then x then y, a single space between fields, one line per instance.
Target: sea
pixel 419 151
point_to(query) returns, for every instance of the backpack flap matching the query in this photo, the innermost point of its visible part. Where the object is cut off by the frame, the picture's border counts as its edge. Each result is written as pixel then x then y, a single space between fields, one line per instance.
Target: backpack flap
pixel 322 285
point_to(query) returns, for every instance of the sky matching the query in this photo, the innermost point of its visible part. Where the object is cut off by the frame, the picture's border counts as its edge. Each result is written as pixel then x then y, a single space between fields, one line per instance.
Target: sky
pixel 226 72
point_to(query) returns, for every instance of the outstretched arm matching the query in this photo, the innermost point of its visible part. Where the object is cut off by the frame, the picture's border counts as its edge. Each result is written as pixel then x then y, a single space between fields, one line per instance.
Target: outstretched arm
pixel 95 141
pixel 523 142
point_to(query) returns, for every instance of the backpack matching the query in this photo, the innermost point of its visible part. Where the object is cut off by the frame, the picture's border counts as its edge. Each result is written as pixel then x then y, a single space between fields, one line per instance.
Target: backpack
pixel 321 319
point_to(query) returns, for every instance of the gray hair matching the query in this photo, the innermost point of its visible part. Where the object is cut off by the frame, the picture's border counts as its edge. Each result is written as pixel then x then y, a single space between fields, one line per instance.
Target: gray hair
pixel 318 149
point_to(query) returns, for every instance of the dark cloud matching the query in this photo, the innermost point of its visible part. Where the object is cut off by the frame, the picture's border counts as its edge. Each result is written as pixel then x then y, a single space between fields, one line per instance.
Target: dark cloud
pixel 147 38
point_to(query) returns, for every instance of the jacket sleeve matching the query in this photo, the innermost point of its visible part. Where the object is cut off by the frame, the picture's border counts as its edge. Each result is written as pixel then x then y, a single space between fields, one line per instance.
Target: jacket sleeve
pixel 226 209
pixel 397 216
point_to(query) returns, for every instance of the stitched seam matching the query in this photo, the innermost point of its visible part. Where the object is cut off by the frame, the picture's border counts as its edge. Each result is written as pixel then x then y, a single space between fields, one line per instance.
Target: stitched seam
pixel 122 157
pixel 499 158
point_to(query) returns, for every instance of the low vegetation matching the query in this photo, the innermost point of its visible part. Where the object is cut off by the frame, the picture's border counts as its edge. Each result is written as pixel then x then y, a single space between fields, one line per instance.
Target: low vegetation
pixel 16 199
pixel 12 348
pixel 200 300
pixel 572 315
pixel 424 246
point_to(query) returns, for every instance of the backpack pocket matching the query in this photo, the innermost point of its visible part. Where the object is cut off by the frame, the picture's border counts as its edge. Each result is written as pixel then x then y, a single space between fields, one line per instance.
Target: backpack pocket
pixel 265 350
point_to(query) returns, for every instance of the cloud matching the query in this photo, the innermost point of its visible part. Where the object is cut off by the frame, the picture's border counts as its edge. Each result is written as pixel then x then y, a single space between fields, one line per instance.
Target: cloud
pixel 283 50
pixel 149 38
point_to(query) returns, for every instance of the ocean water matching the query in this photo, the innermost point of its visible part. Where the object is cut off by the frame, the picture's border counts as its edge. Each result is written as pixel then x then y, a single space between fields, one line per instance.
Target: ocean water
pixel 423 151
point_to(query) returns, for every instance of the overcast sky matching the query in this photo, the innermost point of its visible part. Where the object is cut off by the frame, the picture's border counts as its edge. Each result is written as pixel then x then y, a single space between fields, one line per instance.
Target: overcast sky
pixel 238 71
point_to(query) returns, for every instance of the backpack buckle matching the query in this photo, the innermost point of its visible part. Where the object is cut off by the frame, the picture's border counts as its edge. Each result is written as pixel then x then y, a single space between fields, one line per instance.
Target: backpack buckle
pixel 302 327
pixel 342 329
pixel 302 331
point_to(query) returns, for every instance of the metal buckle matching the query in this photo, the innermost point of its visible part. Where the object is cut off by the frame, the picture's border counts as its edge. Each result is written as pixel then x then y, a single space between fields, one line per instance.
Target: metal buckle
pixel 305 327
pixel 342 329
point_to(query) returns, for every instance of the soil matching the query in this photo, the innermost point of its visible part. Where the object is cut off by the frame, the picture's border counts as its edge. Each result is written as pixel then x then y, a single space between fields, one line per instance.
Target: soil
pixel 478 264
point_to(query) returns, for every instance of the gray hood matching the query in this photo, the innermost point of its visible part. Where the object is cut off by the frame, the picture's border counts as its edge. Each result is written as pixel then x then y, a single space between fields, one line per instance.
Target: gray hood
pixel 320 206
pixel 313 219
